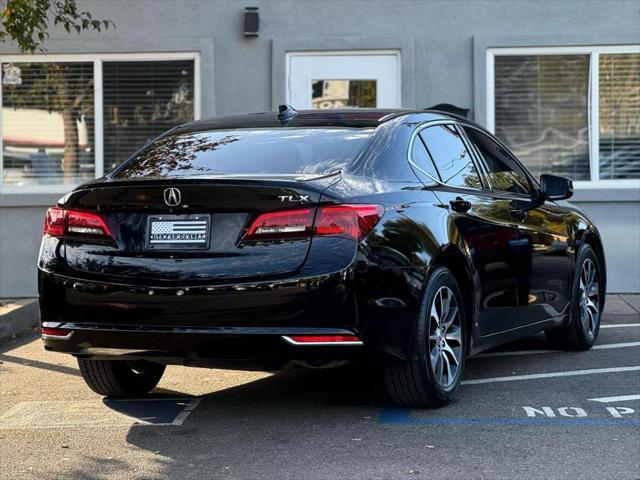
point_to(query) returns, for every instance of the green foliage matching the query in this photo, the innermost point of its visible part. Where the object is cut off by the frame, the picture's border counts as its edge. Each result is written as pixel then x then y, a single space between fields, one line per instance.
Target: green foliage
pixel 26 21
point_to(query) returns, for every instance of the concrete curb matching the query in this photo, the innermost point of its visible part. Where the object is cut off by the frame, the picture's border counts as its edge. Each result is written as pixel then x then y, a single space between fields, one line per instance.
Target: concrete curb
pixel 17 316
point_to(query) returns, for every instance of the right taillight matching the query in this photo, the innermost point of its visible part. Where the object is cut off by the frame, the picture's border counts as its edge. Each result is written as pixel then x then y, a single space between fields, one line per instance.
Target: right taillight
pixel 279 225
pixel 350 221
pixel 59 222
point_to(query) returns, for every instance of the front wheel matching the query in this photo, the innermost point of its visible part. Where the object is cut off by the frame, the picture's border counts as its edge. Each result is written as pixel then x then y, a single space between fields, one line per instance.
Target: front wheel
pixel 120 378
pixel 432 373
pixel 587 302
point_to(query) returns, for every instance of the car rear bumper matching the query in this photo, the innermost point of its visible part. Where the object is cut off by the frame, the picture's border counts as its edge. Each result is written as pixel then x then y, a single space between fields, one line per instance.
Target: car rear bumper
pixel 244 320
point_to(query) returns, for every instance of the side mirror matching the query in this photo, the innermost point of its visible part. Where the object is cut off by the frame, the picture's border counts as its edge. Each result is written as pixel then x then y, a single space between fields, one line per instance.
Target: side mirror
pixel 554 187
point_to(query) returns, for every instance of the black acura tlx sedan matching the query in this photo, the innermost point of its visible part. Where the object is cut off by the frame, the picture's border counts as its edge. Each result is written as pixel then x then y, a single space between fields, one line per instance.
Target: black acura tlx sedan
pixel 406 239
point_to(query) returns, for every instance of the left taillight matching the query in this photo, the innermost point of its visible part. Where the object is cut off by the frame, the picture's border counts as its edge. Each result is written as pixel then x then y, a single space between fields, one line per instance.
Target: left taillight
pixel 54 221
pixel 351 221
pixel 59 222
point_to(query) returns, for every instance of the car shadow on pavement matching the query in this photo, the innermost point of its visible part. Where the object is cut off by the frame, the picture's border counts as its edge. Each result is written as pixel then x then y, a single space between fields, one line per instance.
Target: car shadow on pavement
pixel 288 409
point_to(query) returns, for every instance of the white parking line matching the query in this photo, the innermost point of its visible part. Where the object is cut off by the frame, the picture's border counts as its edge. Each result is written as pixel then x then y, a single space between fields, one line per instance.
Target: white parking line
pixel 182 416
pixel 621 398
pixel 605 346
pixel 550 375
pixel 621 325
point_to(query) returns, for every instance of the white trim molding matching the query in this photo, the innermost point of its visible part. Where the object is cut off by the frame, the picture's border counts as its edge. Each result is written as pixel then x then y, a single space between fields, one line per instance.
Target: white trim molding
pixel 593 99
pixel 97 59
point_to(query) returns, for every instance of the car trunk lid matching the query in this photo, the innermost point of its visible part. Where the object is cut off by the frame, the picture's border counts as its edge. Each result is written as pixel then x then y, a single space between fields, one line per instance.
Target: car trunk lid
pixel 144 216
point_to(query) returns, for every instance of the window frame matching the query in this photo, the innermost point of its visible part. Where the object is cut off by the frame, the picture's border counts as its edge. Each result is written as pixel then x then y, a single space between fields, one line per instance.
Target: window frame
pixel 97 59
pixel 433 123
pixel 532 183
pixel 593 125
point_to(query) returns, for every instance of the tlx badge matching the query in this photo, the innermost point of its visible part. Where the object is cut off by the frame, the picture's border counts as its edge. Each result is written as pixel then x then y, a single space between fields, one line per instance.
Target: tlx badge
pixel 294 198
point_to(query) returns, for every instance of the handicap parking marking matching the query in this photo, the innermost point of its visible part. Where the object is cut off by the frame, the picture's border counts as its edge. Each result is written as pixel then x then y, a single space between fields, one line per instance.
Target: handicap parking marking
pixel 98 413
pixel 551 409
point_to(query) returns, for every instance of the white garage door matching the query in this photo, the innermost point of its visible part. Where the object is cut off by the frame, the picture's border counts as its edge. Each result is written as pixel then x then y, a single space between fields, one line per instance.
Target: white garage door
pixel 343 79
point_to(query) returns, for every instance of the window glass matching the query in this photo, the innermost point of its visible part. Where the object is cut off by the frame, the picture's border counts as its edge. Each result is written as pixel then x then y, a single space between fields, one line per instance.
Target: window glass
pixel 249 151
pixel 343 93
pixel 541 112
pixel 421 158
pixel 143 99
pixel 619 115
pixel 450 156
pixel 504 174
pixel 47 123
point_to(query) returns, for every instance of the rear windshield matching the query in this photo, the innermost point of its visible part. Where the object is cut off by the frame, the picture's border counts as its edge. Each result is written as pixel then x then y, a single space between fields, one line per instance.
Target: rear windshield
pixel 259 151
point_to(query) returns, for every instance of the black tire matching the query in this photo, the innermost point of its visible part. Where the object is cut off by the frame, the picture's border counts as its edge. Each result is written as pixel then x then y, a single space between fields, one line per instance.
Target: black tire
pixel 414 383
pixel 120 378
pixel 577 334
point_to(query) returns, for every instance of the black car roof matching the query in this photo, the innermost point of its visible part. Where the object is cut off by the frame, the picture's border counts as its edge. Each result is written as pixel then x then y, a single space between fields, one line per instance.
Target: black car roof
pixel 348 118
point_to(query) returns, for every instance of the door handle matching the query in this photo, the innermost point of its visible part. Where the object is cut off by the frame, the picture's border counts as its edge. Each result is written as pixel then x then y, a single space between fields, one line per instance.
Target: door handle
pixel 460 205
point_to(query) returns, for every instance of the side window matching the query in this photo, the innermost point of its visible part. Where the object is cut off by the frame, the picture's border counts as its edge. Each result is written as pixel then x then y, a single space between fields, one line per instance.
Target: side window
pixel 420 157
pixel 450 156
pixel 505 174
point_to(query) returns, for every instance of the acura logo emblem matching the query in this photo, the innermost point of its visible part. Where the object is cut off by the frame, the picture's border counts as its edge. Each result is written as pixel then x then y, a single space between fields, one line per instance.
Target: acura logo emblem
pixel 172 197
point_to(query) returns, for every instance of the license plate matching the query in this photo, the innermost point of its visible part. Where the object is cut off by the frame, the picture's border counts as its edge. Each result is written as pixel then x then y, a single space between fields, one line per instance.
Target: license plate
pixel 178 231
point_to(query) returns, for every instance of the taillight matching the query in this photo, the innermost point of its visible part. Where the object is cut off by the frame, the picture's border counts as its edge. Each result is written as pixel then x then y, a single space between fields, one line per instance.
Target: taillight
pixel 350 221
pixel 54 222
pixel 286 224
pixel 58 222
pixel 85 223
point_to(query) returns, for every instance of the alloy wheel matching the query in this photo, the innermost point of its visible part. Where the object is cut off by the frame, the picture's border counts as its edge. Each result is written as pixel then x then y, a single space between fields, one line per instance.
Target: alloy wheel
pixel 589 297
pixel 445 336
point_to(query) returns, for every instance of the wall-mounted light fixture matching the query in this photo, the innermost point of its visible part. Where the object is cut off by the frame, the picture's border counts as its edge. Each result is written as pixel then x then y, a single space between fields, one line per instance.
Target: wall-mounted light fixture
pixel 251 22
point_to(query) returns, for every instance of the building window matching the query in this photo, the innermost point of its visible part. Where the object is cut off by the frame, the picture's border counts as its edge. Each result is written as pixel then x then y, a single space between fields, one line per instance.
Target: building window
pixel 68 119
pixel 619 115
pixel 343 94
pixel 48 123
pixel 142 100
pixel 569 111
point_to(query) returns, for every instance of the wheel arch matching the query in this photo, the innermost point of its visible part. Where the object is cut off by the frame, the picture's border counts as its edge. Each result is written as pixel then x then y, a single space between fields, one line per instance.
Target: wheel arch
pixel 452 258
pixel 591 237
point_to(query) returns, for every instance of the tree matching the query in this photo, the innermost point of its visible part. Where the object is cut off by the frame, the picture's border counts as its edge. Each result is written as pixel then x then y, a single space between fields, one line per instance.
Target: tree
pixel 27 21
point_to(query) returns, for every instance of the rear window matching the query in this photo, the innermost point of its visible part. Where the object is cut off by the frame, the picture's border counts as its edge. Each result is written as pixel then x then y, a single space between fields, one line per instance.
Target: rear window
pixel 258 151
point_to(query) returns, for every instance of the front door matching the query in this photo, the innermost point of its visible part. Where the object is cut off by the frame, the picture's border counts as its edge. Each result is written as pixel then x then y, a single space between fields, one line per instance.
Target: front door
pixel 544 263
pixel 544 267
pixel 343 79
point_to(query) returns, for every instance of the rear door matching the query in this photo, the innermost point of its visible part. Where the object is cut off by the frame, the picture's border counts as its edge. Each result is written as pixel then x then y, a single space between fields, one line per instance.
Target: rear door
pixel 482 220
pixel 544 265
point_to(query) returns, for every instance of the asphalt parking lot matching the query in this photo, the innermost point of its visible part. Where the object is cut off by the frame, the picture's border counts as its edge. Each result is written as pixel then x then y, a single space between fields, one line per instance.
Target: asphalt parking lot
pixel 524 412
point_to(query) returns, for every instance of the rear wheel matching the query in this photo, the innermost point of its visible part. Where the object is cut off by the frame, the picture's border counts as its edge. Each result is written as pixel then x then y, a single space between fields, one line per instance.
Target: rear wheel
pixel 120 378
pixel 587 302
pixel 432 373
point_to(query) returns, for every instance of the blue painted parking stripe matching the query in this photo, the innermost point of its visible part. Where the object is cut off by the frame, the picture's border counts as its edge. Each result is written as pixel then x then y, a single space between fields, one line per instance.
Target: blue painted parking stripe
pixel 401 416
